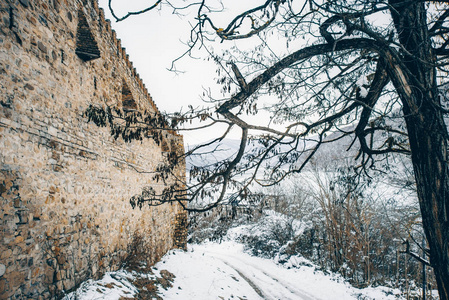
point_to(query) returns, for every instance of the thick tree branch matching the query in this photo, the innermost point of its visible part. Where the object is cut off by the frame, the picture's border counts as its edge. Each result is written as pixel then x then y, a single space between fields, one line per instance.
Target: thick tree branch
pixel 380 80
pixel 304 53
pixel 414 255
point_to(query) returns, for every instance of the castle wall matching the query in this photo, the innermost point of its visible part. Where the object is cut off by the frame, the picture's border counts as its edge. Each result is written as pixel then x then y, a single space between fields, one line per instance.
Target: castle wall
pixel 65 184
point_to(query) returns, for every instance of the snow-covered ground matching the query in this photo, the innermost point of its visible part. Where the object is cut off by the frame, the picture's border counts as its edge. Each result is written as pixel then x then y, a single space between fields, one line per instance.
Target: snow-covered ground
pixel 225 271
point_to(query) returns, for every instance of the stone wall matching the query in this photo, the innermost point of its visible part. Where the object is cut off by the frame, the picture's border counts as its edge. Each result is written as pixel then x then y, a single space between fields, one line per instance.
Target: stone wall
pixel 65 184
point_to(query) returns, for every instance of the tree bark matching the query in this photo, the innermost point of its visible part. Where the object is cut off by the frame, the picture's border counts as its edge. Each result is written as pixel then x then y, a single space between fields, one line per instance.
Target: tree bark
pixel 427 132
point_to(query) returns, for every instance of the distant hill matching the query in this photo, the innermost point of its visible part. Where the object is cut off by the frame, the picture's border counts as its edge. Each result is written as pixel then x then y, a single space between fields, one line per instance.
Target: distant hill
pixel 227 149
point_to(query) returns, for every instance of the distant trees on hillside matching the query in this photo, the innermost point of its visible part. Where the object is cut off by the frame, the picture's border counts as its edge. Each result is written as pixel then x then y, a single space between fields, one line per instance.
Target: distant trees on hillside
pixel 361 232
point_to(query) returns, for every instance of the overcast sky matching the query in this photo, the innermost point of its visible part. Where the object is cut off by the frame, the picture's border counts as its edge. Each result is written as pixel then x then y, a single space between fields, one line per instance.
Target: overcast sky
pixel 153 40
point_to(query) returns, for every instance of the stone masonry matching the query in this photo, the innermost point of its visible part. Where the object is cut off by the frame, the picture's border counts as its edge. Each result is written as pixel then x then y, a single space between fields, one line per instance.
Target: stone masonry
pixel 65 184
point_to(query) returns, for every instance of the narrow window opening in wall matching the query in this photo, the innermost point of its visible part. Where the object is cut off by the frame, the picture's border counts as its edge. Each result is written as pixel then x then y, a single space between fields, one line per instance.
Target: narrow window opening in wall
pixel 128 102
pixel 11 18
pixel 164 146
pixel 86 46
pixel 62 56
pixel 12 26
pixel 95 82
pixel 100 25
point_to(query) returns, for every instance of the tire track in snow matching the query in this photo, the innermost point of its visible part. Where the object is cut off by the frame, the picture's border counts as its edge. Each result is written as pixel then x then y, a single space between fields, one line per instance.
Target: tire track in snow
pixel 292 290
pixel 249 281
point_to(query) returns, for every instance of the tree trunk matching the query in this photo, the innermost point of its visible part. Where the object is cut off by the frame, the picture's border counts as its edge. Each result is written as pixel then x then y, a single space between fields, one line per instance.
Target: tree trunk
pixel 427 133
pixel 429 144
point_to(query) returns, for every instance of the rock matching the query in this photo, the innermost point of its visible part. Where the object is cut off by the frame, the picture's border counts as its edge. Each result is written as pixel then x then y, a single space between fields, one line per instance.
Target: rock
pixel 2 269
pixel 25 3
pixel 29 87
pixel 42 47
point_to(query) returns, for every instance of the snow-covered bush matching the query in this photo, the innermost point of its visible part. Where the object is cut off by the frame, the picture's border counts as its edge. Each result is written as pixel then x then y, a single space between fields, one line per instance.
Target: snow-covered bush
pixel 270 233
pixel 214 225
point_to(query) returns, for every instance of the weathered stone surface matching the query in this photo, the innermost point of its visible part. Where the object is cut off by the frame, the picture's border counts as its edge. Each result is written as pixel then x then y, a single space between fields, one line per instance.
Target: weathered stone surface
pixel 65 184
pixel 42 47
pixel 2 269
pixel 24 2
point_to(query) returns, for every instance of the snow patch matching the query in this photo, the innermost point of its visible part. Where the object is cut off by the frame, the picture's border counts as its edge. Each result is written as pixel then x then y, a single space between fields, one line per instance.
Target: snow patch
pixel 112 286
pixel 362 83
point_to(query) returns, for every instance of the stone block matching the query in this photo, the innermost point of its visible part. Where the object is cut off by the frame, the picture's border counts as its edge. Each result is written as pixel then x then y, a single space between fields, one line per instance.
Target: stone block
pixel 25 3
pixel 35 272
pixel 4 286
pixel 6 254
pixel 59 285
pixel 16 278
pixel 2 270
pixel 48 275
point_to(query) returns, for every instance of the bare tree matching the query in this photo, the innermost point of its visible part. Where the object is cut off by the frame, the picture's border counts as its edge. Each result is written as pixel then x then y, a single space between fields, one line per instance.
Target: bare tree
pixel 371 70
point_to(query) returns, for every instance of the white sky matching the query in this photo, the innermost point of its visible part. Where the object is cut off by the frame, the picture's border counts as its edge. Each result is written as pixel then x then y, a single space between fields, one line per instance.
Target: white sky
pixel 153 40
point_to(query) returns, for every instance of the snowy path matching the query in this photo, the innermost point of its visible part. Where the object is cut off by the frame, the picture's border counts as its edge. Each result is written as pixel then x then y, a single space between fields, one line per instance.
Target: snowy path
pixel 266 285
pixel 224 272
